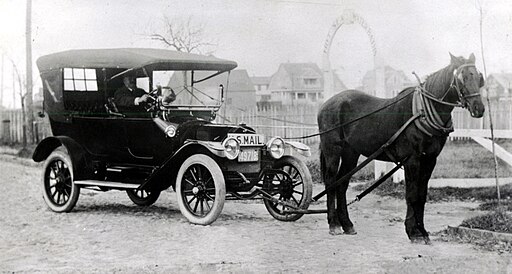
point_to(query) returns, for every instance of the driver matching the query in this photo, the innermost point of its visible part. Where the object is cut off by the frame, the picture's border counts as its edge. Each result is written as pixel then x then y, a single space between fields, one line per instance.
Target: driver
pixel 129 98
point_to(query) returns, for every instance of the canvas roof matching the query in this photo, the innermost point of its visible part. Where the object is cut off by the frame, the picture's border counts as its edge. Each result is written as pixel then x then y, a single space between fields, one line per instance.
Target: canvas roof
pixel 129 58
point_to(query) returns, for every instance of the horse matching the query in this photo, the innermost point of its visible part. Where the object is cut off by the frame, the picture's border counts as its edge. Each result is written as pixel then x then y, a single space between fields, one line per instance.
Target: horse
pixel 353 123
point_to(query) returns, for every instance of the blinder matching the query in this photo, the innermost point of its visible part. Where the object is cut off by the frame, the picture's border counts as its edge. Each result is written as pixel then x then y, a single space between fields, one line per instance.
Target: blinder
pixel 458 84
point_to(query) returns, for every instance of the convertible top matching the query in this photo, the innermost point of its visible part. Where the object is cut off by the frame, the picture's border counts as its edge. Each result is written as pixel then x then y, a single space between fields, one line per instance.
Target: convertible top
pixel 132 58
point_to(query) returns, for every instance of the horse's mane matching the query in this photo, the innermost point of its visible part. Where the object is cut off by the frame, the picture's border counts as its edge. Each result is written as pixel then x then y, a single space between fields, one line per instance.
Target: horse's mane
pixel 438 81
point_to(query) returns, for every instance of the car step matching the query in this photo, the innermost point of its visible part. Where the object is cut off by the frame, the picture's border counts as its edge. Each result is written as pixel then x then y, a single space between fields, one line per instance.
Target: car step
pixel 106 184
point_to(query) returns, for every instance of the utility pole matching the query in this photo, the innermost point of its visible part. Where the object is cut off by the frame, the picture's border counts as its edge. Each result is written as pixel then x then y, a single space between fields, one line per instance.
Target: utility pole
pixel 28 94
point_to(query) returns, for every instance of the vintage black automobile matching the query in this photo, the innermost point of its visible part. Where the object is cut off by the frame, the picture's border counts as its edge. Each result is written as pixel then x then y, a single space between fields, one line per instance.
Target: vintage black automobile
pixel 179 144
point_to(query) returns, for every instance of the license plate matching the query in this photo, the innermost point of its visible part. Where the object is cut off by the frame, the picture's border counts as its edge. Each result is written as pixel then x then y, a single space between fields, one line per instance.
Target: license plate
pixel 248 155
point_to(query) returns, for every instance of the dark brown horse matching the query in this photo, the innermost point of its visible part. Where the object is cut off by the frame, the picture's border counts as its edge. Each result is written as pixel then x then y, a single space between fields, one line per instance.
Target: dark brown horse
pixel 352 127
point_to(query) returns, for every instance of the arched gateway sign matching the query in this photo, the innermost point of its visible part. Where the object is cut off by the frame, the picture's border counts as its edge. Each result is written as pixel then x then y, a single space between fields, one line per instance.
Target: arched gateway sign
pixel 348 18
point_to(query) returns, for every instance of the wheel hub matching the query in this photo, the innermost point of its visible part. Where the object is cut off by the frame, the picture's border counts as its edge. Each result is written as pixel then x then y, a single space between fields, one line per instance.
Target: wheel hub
pixel 195 190
pixel 198 189
pixel 60 185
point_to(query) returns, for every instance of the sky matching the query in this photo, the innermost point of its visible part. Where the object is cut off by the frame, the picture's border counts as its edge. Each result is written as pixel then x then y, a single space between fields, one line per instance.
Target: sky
pixel 412 35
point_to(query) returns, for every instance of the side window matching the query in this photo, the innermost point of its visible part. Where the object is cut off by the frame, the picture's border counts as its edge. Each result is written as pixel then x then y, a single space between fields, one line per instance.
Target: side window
pixel 80 79
pixel 143 83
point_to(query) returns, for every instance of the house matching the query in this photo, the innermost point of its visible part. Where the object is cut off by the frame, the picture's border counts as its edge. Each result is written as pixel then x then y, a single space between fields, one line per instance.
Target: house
pixel 299 83
pixel 263 94
pixel 500 86
pixel 395 81
pixel 239 92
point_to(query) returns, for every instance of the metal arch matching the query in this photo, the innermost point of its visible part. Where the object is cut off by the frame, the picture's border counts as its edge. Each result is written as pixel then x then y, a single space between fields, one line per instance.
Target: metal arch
pixel 349 17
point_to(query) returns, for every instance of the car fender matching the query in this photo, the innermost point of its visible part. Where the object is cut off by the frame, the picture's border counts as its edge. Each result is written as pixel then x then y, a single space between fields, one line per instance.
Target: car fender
pixel 165 175
pixel 78 155
pixel 292 146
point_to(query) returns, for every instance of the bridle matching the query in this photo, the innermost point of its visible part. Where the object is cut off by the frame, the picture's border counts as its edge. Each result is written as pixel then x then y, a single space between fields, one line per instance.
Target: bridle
pixel 430 121
pixel 457 83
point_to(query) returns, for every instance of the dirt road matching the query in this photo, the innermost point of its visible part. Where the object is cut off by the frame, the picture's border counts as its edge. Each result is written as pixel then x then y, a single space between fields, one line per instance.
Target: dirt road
pixel 107 233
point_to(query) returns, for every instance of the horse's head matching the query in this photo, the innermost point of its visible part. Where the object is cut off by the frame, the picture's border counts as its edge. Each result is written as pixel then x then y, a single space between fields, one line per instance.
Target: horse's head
pixel 467 81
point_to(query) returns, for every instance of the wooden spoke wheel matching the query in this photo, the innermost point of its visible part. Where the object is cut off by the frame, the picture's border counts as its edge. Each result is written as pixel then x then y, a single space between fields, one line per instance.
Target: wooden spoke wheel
pixel 59 191
pixel 294 186
pixel 201 190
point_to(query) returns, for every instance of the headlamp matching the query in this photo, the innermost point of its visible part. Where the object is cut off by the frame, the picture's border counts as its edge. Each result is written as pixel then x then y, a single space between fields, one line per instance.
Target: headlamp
pixel 231 148
pixel 276 147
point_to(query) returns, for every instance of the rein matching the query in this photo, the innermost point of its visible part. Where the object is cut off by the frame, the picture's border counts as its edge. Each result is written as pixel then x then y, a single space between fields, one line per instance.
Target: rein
pixel 453 85
pixel 429 120
pixel 352 121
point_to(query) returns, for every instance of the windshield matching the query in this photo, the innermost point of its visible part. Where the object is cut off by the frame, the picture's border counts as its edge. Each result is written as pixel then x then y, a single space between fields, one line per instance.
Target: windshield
pixel 192 88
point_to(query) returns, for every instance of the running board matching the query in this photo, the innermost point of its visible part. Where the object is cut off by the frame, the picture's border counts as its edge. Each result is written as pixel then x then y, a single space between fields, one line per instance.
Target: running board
pixel 106 184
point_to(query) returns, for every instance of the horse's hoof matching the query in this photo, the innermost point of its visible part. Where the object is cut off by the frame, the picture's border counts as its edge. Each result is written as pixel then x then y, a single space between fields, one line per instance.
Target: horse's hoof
pixel 350 231
pixel 335 230
pixel 420 240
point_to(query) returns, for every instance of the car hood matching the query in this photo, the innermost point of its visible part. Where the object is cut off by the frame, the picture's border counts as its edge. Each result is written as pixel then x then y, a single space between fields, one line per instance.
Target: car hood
pixel 202 130
pixel 207 131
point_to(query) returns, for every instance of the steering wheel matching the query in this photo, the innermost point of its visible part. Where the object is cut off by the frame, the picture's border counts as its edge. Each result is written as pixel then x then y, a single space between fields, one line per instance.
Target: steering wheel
pixel 152 103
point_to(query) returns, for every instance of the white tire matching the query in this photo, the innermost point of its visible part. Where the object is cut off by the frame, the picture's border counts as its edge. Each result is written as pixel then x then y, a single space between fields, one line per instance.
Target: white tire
pixel 200 189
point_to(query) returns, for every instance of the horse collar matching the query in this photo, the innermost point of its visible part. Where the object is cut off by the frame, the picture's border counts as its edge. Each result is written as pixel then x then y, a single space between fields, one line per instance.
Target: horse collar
pixel 429 122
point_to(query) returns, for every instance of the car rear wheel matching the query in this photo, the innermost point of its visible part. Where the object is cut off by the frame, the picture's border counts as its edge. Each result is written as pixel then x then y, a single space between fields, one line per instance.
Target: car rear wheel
pixel 142 197
pixel 59 191
pixel 293 186
pixel 201 190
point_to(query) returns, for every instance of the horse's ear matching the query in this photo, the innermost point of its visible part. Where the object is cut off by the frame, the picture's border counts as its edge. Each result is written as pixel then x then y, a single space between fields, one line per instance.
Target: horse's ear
pixel 453 59
pixel 472 58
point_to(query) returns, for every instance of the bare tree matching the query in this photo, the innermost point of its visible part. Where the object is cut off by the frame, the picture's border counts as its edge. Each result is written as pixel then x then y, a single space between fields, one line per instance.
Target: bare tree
pixel 184 36
pixel 21 87
pixel 28 52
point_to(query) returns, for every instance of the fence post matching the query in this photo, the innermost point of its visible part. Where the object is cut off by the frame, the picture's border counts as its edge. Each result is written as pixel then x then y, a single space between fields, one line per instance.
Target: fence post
pixel 36 132
pixel 6 131
pixel 24 136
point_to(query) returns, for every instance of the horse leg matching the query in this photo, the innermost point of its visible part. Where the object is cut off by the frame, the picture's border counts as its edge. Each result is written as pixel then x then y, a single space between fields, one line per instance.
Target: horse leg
pixel 348 162
pixel 417 174
pixel 329 166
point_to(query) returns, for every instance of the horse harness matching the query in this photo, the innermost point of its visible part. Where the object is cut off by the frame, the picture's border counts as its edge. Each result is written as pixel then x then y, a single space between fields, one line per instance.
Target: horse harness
pixel 425 118
pixel 430 121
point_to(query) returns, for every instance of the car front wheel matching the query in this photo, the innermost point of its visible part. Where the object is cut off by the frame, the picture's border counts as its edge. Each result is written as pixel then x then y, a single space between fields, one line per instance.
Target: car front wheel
pixel 201 190
pixel 293 185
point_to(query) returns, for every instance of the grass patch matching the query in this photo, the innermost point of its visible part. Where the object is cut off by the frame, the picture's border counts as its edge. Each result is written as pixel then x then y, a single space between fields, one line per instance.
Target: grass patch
pixel 388 188
pixel 498 221
pixel 493 205
pixel 365 174
pixel 467 159
pixel 493 245
pixel 458 159
pixel 397 190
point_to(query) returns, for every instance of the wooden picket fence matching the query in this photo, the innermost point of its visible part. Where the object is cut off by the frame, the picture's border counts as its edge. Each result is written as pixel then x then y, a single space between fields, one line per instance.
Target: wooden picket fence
pixel 286 121
pixel 297 121
pixel 11 129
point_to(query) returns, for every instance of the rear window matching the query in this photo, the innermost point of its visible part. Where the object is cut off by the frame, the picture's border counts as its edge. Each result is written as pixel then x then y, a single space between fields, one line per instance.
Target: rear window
pixel 80 79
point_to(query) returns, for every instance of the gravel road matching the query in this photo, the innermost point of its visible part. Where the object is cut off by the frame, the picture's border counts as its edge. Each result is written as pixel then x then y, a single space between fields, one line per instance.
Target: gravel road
pixel 107 233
